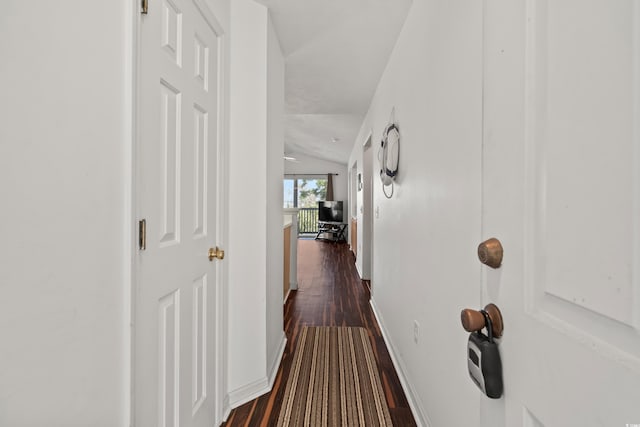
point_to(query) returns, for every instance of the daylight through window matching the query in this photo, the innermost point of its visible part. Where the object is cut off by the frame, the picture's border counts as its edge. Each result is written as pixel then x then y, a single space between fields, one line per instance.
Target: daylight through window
pixel 303 192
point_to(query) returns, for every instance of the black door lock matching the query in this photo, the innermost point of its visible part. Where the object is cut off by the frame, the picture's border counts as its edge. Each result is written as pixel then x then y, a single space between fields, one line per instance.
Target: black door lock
pixel 483 356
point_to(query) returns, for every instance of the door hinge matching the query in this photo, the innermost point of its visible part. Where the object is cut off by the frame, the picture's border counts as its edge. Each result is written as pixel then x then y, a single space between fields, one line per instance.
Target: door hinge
pixel 145 7
pixel 142 234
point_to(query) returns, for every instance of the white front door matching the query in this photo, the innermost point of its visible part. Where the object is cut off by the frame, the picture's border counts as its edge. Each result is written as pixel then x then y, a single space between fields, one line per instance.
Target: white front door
pixel 561 191
pixel 177 176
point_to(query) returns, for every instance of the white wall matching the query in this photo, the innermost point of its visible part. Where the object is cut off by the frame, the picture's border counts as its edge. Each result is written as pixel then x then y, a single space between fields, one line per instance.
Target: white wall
pixel 425 266
pixel 255 171
pixel 312 165
pixel 275 169
pixel 65 144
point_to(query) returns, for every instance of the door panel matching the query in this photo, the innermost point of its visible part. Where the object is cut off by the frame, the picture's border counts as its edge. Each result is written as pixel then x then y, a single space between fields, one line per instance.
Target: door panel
pixel 170 128
pixel 176 298
pixel 560 190
pixel 580 137
pixel 169 359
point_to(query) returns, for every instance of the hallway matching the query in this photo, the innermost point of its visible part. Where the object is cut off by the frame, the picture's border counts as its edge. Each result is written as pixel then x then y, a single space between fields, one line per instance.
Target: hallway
pixel 330 294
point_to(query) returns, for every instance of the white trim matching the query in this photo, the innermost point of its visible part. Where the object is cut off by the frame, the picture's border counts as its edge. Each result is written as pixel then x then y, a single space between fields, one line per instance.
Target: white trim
pixel 358 268
pixel 365 227
pixel 636 159
pixel 257 388
pixel 293 249
pixel 132 206
pixel 248 392
pixel 275 364
pixel 419 414
pixel 368 141
pixel 226 410
pixel 222 229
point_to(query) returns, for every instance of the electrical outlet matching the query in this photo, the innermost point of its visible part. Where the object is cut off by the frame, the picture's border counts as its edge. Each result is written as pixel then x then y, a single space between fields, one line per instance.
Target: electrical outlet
pixel 416 331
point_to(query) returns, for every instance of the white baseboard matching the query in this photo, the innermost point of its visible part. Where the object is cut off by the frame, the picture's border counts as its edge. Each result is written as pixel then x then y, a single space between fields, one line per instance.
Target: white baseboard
pixel 248 392
pixel 226 408
pixel 419 414
pixel 275 363
pixel 259 387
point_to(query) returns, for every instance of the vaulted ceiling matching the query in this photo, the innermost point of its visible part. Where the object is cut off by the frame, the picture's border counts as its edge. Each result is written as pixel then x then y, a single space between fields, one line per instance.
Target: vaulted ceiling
pixel 335 52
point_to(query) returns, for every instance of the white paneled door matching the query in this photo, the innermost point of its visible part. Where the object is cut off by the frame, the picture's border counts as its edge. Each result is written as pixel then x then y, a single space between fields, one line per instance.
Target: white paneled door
pixel 561 190
pixel 175 349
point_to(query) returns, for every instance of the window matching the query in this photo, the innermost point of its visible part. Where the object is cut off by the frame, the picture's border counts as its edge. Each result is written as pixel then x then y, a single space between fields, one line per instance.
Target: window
pixel 290 201
pixel 304 192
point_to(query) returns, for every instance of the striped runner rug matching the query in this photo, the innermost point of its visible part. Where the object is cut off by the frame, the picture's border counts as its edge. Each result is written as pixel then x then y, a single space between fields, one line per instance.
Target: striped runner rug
pixel 334 381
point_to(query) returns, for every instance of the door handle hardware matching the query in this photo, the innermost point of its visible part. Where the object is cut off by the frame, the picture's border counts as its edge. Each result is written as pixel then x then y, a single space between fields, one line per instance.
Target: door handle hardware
pixel 483 355
pixel 142 234
pixel 474 320
pixel 215 253
pixel 490 252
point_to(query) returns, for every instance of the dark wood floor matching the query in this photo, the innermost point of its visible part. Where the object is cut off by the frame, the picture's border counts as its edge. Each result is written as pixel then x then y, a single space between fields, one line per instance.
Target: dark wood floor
pixel 330 293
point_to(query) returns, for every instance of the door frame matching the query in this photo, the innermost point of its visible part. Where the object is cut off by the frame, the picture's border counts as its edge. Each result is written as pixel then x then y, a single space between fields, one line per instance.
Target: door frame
pixel 367 207
pixel 219 362
pixel 353 204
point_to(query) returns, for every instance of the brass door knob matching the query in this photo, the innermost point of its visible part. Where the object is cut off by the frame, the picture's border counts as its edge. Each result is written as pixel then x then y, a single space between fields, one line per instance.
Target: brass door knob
pixel 215 253
pixel 473 320
pixel 490 252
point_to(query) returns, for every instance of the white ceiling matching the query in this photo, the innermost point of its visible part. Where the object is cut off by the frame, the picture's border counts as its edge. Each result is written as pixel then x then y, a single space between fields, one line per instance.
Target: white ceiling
pixel 335 52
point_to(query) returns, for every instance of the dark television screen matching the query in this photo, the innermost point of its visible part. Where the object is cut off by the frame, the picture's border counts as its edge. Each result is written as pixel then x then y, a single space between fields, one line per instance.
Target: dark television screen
pixel 330 211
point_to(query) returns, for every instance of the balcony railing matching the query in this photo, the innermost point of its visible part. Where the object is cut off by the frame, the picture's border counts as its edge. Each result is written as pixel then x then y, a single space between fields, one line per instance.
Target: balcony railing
pixel 307 220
